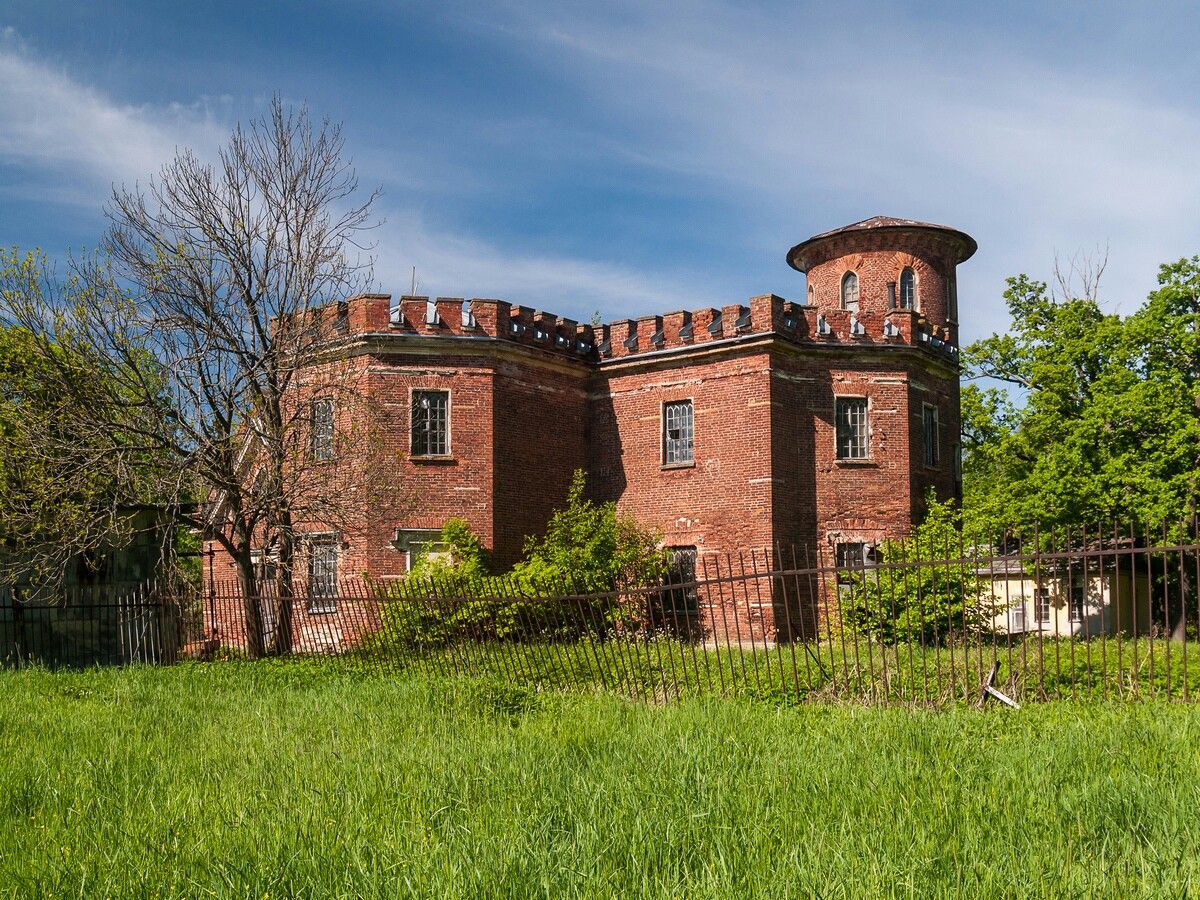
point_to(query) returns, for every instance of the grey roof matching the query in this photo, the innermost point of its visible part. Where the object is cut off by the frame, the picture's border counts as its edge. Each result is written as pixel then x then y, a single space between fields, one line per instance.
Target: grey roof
pixel 882 223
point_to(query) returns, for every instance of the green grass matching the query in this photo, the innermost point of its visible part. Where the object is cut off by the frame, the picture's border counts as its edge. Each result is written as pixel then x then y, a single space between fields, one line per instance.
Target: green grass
pixel 307 779
pixel 839 668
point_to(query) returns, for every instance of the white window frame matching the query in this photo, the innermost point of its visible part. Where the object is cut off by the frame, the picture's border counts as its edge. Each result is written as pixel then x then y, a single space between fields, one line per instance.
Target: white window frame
pixel 838 400
pixel 1077 614
pixel 1042 613
pixel 412 399
pixel 665 441
pixel 1016 617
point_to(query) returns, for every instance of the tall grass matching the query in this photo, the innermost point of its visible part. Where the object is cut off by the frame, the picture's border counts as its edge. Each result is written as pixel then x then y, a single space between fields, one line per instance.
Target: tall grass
pixel 303 779
pixel 846 669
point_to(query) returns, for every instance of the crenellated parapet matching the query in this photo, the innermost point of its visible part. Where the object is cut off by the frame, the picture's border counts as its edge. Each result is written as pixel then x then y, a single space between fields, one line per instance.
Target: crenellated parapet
pixel 767 314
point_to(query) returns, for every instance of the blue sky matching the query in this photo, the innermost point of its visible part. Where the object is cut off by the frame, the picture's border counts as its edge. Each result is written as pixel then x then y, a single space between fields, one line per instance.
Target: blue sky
pixel 636 158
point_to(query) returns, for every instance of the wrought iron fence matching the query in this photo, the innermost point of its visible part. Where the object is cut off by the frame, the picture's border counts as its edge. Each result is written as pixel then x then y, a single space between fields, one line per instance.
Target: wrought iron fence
pixel 1081 614
pixel 1084 614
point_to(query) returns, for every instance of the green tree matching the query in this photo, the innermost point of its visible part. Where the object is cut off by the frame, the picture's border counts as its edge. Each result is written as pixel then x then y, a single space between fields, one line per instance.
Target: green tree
pixel 1105 421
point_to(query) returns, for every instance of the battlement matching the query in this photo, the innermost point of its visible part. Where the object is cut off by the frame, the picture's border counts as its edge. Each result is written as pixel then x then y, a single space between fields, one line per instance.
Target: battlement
pixel 625 338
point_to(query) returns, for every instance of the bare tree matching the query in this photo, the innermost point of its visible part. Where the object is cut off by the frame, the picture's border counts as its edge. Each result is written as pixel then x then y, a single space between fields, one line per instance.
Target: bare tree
pixel 216 310
pixel 1078 278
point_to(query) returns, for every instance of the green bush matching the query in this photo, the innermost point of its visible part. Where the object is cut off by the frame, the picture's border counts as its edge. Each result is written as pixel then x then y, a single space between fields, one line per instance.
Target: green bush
pixel 924 603
pixel 589 548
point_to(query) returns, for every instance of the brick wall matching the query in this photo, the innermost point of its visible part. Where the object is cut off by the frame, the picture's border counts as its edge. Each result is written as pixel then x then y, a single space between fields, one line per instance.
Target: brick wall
pixel 535 396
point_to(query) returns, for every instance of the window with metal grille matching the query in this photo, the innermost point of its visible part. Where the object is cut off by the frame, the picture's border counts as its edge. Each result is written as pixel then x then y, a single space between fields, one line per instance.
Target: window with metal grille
pixel 1041 606
pixel 908 289
pixel 430 423
pixel 929 422
pixel 850 292
pixel 322 575
pixel 322 429
pixel 852 435
pixel 854 557
pixel 677 432
pixel 681 599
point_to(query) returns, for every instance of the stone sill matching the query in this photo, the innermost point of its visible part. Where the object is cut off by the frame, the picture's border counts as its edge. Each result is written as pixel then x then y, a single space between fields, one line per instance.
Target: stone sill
pixel 434 460
pixel 857 463
pixel 668 467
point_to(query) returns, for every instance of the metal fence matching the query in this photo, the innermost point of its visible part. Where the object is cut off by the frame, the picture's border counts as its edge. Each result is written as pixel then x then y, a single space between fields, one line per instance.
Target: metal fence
pixel 113 624
pixel 1110 614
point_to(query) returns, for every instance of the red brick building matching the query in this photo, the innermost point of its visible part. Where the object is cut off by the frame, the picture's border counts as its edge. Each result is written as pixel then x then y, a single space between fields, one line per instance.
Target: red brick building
pixel 818 424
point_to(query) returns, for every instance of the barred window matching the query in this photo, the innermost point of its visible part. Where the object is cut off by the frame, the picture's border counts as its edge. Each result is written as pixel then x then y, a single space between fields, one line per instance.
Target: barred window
pixel 852 557
pixel 682 598
pixel 850 292
pixel 677 432
pixel 322 575
pixel 430 423
pixel 852 434
pixel 908 289
pixel 929 423
pixel 322 429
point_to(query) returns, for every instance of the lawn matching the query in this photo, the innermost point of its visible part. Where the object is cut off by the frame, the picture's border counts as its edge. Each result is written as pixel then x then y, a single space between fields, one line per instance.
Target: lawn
pixel 307 779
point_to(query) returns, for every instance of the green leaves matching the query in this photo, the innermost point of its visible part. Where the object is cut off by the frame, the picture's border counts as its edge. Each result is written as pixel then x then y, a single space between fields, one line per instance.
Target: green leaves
pixel 1104 418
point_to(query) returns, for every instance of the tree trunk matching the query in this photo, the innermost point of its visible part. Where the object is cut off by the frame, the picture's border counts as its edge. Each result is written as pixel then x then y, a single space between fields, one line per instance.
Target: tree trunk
pixel 285 592
pixel 252 618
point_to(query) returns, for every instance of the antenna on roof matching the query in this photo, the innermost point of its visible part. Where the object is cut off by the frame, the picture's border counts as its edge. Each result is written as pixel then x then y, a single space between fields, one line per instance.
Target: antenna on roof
pixel 413 291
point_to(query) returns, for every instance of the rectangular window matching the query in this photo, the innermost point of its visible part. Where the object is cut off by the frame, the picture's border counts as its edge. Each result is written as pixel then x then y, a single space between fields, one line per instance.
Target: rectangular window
pixel 929 421
pixel 322 575
pixel 677 432
pixel 1077 604
pixel 951 298
pixel 854 558
pixel 322 429
pixel 431 423
pixel 852 434
pixel 1016 618
pixel 1041 606
pixel 682 601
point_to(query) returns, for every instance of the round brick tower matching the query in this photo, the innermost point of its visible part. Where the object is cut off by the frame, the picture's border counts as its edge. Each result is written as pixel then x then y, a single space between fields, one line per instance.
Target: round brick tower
pixel 883 264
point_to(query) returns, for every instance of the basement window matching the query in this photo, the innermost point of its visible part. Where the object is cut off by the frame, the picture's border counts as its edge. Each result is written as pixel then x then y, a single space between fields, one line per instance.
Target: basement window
pixel 850 414
pixel 677 433
pixel 854 557
pixel 322 573
pixel 430 423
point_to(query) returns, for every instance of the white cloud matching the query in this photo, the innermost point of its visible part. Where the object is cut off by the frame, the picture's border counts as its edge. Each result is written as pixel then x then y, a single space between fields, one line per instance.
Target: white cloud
pixel 76 141
pixel 50 121
pixel 464 266
pixel 823 119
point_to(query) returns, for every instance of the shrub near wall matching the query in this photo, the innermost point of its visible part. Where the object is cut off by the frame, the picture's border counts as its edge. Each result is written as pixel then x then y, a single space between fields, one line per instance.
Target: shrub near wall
pixel 588 549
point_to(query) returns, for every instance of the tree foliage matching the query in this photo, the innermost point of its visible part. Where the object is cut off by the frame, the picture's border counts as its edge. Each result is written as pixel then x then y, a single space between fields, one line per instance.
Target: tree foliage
pixel 1100 419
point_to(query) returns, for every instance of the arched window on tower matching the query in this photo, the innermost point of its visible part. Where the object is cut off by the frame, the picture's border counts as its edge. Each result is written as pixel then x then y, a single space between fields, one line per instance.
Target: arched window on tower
pixel 908 289
pixel 812 296
pixel 850 292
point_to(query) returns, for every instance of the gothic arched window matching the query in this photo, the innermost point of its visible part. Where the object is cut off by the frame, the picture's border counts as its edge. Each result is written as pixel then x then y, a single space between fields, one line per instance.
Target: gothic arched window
pixel 908 289
pixel 850 292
